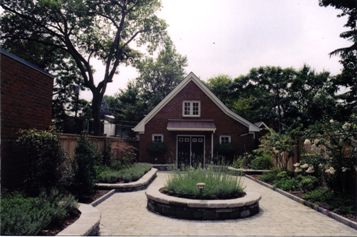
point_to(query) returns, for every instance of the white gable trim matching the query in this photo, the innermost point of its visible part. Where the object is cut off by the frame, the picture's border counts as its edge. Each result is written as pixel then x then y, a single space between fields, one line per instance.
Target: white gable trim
pixel 140 127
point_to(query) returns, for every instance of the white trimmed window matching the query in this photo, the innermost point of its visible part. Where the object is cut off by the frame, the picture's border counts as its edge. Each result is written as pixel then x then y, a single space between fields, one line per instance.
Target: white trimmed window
pixel 158 138
pixel 191 108
pixel 224 139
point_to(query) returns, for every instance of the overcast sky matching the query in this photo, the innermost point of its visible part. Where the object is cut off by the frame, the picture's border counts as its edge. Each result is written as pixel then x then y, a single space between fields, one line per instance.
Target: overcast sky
pixel 233 36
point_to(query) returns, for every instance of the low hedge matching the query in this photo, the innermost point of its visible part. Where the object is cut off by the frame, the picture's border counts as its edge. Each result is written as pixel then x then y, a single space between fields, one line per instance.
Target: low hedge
pixel 106 174
pixel 21 215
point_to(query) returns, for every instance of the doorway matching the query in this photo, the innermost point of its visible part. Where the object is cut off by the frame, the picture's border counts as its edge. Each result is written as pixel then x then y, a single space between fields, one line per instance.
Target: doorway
pixel 190 150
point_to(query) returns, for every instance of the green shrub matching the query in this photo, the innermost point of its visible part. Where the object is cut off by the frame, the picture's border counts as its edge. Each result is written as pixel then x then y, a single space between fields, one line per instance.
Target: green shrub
pixel 287 184
pixel 269 176
pixel 282 175
pixel 261 163
pixel 85 156
pixel 22 215
pixel 319 195
pixel 43 158
pixel 307 182
pixel 242 161
pixel 131 173
pixel 218 185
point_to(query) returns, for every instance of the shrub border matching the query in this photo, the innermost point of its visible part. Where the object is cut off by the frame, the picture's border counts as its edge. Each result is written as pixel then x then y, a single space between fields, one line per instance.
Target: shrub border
pixel 87 224
pixel 140 184
pixel 316 207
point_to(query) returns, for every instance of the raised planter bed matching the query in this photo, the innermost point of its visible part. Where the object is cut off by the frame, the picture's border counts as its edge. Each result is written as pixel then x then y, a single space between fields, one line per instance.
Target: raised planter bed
pixel 140 184
pixel 87 224
pixel 322 210
pixel 196 209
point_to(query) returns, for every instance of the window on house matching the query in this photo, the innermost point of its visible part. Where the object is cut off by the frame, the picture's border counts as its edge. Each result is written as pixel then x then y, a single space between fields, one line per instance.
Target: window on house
pixel 158 138
pixel 191 108
pixel 224 139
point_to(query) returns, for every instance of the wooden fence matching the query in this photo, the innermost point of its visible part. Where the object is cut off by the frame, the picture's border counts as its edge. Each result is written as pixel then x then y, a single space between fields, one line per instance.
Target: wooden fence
pixel 69 143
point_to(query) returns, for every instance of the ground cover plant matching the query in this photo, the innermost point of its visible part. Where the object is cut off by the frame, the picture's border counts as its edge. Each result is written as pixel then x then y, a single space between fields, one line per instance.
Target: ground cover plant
pixel 129 173
pixel 218 184
pixel 24 215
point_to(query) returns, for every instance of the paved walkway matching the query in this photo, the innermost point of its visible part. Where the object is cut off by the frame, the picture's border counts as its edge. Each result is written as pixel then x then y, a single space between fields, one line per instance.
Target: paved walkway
pixel 126 214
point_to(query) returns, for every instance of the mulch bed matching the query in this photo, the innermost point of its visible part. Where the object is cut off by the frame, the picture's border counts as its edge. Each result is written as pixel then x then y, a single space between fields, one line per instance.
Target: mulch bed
pixel 54 229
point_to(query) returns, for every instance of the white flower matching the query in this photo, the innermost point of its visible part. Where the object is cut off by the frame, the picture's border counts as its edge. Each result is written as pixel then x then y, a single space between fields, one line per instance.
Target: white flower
pixel 330 170
pixel 296 164
pixel 331 121
pixel 321 165
pixel 316 141
pixel 346 126
pixel 310 170
pixel 297 170
pixel 344 169
pixel 307 142
pixel 307 145
pixel 304 166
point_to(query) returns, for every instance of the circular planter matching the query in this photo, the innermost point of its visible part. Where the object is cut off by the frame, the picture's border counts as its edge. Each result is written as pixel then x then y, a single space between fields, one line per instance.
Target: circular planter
pixel 195 209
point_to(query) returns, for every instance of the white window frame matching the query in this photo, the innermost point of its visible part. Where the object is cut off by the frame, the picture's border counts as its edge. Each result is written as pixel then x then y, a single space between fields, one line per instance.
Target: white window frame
pixel 157 135
pixel 225 136
pixel 191 108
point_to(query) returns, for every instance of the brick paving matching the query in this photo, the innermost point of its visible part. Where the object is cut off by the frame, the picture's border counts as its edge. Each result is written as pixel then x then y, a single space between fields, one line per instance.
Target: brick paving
pixel 126 214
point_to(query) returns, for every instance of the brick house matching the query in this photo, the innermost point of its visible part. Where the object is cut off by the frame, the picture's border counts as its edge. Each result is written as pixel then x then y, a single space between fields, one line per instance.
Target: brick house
pixel 26 98
pixel 191 121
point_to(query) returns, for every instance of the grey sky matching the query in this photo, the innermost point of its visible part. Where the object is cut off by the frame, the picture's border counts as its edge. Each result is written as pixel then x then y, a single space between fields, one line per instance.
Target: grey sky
pixel 233 36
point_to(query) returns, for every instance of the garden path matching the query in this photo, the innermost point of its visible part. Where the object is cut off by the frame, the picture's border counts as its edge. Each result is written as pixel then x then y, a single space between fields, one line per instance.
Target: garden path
pixel 126 214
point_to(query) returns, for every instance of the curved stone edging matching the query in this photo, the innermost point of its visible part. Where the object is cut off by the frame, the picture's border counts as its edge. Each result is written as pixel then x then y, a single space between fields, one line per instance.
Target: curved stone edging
pixel 185 208
pixel 140 184
pixel 87 224
pixel 322 210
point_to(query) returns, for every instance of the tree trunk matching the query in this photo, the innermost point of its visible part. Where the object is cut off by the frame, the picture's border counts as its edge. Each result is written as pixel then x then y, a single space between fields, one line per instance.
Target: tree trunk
pixel 96 104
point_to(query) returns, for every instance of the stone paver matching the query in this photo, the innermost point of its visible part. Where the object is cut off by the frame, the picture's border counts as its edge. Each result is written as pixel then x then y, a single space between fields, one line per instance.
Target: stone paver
pixel 126 214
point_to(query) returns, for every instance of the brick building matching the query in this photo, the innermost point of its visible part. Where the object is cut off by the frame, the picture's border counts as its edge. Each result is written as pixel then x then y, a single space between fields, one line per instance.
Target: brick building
pixel 26 97
pixel 191 121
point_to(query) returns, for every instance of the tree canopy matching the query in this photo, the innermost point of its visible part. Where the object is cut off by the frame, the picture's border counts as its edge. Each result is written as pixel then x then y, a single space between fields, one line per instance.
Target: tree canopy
pixel 83 29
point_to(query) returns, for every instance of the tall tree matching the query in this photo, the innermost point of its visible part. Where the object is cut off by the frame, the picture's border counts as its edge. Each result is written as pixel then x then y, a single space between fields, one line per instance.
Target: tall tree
pixel 348 76
pixel 221 86
pixel 159 76
pixel 87 29
pixel 284 98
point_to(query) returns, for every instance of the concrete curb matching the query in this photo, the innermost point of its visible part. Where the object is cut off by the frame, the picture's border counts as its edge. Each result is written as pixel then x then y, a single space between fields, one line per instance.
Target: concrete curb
pixel 324 211
pixel 140 184
pixel 102 198
pixel 87 224
pixel 247 171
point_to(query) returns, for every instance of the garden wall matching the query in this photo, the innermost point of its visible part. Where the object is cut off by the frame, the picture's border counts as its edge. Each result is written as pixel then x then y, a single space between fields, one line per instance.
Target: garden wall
pixel 26 98
pixel 69 142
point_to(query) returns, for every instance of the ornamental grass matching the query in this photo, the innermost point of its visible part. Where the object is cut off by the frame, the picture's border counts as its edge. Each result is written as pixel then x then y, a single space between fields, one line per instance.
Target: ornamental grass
pixel 218 184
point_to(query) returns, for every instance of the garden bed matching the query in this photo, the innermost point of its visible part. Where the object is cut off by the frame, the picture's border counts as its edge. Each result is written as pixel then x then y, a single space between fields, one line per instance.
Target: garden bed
pixel 324 206
pixel 131 173
pixel 140 184
pixel 196 209
pixel 46 214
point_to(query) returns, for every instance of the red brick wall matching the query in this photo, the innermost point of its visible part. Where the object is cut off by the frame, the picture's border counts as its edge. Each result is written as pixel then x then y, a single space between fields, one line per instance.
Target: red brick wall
pixel 26 97
pixel 225 125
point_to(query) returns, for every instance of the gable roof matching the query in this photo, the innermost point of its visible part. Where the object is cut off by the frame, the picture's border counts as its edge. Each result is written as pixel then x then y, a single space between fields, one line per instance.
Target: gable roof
pixel 261 125
pixel 140 127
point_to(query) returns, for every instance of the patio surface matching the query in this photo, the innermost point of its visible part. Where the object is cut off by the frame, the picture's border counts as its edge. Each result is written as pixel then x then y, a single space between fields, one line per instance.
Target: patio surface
pixel 126 214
